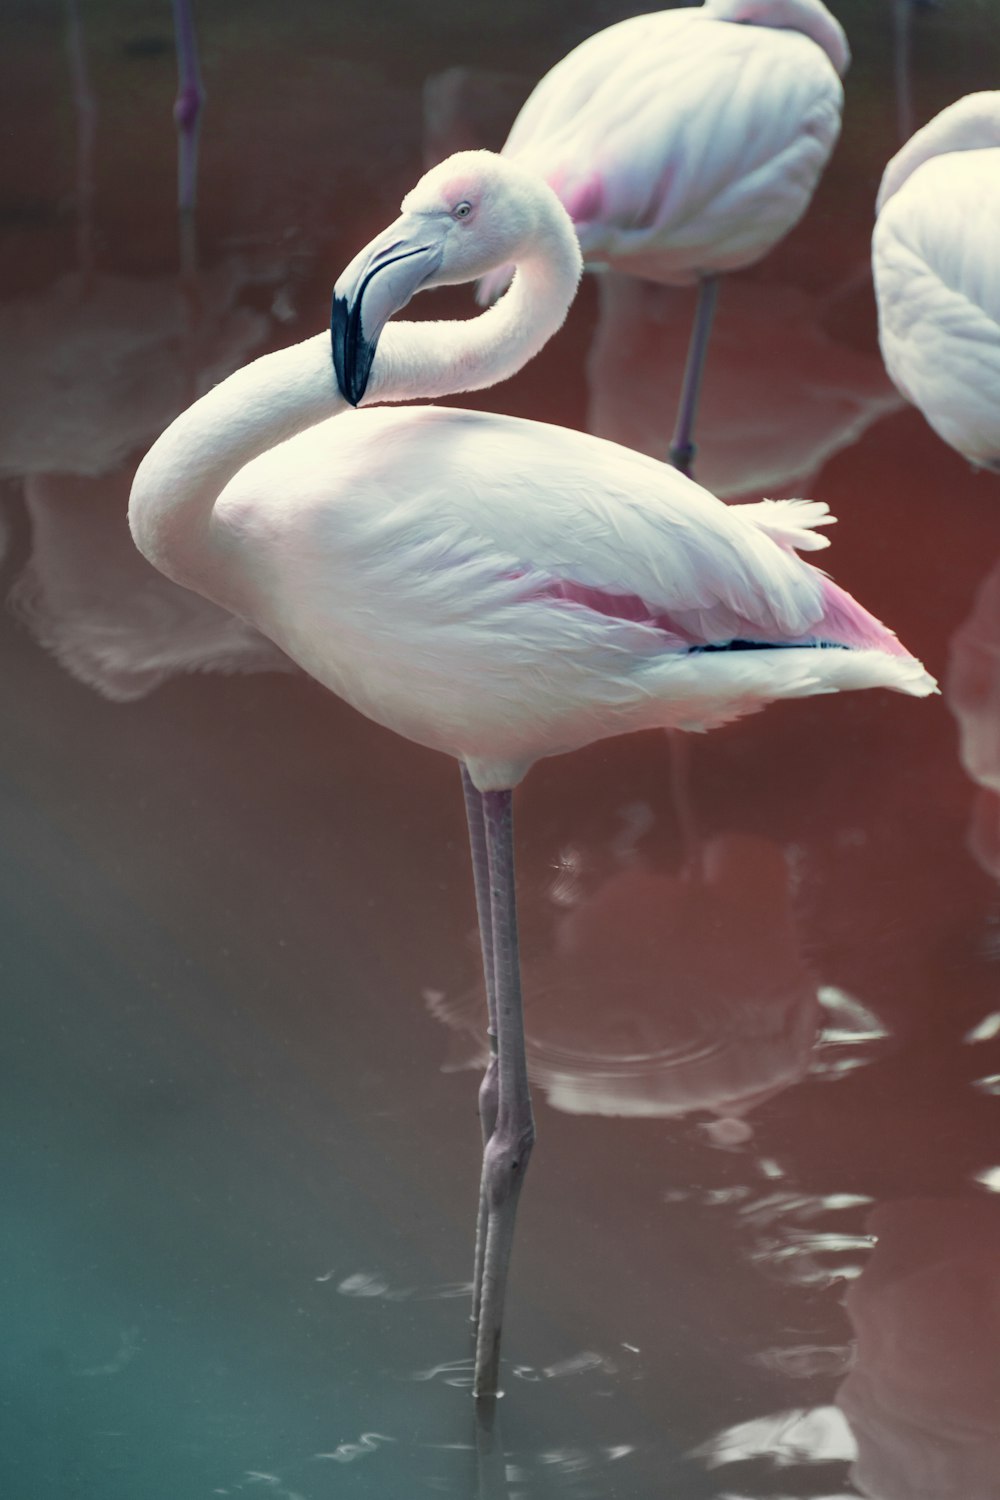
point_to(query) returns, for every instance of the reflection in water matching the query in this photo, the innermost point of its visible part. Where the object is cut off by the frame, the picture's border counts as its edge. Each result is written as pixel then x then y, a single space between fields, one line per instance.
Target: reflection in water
pixel 89 372
pixel 665 994
pixel 110 619
pixel 972 692
pixel 783 1439
pixel 755 436
pixel 923 1398
pixel 131 354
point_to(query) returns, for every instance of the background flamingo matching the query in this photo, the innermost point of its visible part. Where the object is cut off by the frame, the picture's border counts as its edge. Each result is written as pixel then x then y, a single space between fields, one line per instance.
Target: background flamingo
pixel 972 692
pixel 935 267
pixel 923 1392
pixel 525 589
pixel 687 143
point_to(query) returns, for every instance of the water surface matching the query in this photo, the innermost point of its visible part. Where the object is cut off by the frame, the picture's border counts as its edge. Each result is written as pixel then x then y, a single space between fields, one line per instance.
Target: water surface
pixel 242 1008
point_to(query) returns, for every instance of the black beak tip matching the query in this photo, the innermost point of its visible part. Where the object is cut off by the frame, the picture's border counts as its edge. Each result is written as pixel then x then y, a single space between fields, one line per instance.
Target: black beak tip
pixel 352 353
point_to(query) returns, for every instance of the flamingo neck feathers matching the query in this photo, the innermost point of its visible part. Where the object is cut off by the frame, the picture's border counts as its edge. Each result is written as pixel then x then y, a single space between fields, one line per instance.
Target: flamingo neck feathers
pixel 810 17
pixel 426 360
pixel 970 124
pixel 279 395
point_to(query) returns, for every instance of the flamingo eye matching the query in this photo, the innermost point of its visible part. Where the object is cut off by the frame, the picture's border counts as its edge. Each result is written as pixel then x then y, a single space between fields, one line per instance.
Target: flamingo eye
pixel 461 210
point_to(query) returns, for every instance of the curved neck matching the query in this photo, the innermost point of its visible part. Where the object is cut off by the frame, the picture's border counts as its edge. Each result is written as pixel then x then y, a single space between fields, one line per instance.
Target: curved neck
pixel 810 17
pixel 180 479
pixel 970 124
pixel 437 359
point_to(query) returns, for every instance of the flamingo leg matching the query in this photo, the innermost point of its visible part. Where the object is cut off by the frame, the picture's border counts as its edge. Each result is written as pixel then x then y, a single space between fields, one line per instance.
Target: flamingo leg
pixel 505 1159
pixel 488 1089
pixel 188 104
pixel 85 106
pixel 682 447
pixel 902 12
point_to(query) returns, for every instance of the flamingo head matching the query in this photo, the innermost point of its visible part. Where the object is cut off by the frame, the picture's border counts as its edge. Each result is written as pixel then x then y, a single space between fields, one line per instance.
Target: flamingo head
pixel 471 213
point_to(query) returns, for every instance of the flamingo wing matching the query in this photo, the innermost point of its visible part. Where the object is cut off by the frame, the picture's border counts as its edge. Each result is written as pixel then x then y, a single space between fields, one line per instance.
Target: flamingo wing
pixel 438 502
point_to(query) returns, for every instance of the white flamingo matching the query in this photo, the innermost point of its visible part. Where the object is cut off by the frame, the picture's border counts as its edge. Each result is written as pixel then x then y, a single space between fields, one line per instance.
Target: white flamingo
pixel 937 276
pixel 686 143
pixel 495 588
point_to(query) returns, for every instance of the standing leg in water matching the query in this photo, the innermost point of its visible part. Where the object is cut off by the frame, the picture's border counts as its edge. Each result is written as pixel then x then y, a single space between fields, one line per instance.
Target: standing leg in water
pixel 508 1150
pixel 682 446
pixel 488 1094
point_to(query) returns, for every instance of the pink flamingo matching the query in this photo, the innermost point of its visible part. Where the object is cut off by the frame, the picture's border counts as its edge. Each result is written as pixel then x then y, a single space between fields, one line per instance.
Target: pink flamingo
pixel 495 588
pixel 687 143
pixel 935 266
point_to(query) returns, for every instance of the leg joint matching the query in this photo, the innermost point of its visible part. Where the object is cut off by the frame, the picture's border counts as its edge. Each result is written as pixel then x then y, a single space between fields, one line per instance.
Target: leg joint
pixel 505 1162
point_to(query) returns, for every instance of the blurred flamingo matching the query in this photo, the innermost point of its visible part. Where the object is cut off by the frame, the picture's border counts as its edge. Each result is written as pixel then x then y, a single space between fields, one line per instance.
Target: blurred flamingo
pixel 935 266
pixel 972 692
pixel 923 1393
pixel 495 588
pixel 686 143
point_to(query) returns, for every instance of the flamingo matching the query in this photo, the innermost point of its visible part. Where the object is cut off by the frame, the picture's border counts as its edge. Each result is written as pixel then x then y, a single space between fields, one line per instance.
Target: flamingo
pixel 922 1394
pixel 686 143
pixel 492 587
pixel 935 267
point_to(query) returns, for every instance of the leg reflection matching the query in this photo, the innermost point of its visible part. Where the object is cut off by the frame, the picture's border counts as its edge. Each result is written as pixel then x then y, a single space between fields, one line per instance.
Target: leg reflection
pixel 491 1468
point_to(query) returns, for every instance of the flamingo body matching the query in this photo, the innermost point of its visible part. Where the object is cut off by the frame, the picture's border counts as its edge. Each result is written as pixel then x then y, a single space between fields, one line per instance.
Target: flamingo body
pixel 687 142
pixel 503 590
pixel 937 276
pixel 495 588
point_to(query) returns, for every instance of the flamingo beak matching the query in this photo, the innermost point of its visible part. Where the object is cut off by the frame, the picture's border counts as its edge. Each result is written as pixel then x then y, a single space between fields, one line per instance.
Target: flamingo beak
pixel 378 282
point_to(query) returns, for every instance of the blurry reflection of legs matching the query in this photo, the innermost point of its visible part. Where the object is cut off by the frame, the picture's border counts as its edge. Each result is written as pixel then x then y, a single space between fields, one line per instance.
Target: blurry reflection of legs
pixel 85 109
pixel 507 1153
pixel 682 447
pixel 679 750
pixel 488 1088
pixel 188 104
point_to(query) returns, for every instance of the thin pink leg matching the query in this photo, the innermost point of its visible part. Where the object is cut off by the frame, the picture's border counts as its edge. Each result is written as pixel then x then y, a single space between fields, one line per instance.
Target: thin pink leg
pixel 508 1150
pixel 188 105
pixel 682 446
pixel 488 1089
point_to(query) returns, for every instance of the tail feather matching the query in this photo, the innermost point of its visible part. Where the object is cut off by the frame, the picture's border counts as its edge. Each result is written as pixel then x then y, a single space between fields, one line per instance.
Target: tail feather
pixel 791 523
pixel 845 622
